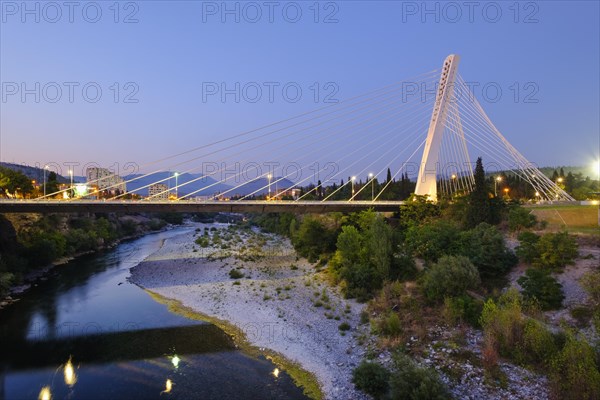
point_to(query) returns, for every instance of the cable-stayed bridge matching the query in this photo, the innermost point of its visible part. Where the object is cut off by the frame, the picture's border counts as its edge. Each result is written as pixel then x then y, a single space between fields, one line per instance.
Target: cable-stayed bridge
pixel 430 127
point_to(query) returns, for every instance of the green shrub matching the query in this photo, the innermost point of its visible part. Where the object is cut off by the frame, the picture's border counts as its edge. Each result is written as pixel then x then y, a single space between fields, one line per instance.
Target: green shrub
pixel 344 326
pixel 434 240
pixel 450 276
pixel 462 309
pixel 235 274
pixel 520 218
pixel 203 241
pixel 486 248
pixel 391 325
pixel 556 250
pixel 575 372
pixel 527 249
pixel 539 346
pixel 371 378
pixel 409 381
pixel 503 322
pixel 591 284
pixel 540 285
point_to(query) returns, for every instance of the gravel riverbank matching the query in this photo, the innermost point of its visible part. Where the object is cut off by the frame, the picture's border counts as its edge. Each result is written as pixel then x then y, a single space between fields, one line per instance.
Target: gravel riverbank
pixel 280 303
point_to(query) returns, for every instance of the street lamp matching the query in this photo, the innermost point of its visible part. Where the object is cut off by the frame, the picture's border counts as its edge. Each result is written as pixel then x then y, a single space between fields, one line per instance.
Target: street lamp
pixel 176 185
pixel 45 169
pixel 269 176
pixel 71 187
pixel 372 186
pixel 498 179
pixel 352 180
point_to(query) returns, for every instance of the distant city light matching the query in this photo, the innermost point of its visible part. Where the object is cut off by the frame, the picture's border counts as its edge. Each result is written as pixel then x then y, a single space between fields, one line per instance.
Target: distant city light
pixel 276 372
pixel 596 168
pixel 81 190
pixel 168 386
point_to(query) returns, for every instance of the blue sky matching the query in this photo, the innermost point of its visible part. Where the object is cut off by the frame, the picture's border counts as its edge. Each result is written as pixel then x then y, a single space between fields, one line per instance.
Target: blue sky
pixel 175 46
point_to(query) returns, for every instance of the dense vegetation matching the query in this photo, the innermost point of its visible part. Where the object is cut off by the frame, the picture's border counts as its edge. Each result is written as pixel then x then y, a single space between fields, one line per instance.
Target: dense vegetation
pixel 461 257
pixel 32 241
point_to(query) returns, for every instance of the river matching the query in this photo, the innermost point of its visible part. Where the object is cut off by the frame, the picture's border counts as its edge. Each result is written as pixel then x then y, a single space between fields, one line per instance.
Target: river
pixel 87 333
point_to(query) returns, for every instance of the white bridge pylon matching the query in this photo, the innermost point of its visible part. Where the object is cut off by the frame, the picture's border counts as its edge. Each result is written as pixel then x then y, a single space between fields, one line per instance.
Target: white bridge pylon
pixel 430 165
pixel 446 164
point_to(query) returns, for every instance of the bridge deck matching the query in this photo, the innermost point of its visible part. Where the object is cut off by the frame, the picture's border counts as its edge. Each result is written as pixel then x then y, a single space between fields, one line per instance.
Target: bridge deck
pixel 130 206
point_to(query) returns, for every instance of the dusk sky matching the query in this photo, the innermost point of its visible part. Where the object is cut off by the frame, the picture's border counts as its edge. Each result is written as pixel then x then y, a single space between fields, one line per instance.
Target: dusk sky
pixel 163 59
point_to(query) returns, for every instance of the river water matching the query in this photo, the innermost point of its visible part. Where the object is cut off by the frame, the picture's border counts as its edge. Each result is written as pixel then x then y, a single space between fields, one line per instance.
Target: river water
pixel 87 333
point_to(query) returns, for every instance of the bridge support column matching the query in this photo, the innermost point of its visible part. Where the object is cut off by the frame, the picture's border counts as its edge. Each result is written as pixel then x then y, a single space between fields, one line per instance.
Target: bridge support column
pixel 429 168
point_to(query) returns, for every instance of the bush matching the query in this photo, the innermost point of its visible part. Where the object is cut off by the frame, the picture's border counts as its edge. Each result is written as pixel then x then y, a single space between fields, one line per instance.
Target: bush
pixel 556 250
pixel 462 309
pixel 539 346
pixel 503 322
pixel 486 248
pixel 411 382
pixel 527 249
pixel 591 284
pixel 391 325
pixel 520 218
pixel 344 326
pixel 540 285
pixel 575 372
pixel 434 240
pixel 371 378
pixel 450 276
pixel 313 238
pixel 235 274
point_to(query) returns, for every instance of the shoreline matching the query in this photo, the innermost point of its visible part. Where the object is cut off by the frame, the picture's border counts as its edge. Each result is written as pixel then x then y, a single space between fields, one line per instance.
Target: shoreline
pixel 281 308
pixel 32 278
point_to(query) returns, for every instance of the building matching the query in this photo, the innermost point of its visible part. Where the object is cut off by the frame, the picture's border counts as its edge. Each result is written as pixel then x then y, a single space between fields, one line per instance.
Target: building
pixel 158 191
pixel 104 180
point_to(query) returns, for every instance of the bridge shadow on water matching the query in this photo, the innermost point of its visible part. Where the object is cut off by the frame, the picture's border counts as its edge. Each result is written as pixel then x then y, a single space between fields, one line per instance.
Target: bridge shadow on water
pixel 116 346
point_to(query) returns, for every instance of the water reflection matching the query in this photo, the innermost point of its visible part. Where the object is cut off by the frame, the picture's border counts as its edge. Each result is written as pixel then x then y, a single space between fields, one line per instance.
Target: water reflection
pixel 69 374
pixel 175 361
pixel 168 387
pixel 45 394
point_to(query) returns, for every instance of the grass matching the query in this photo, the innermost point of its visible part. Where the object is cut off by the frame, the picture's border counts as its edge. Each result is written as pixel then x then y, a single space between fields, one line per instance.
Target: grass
pixel 302 378
pixel 577 219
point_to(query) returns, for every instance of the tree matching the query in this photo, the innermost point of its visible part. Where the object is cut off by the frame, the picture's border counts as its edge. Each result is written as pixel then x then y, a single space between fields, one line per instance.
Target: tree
pixel 388 178
pixel 434 240
pixel 371 378
pixel 486 248
pixel 409 381
pixel 540 285
pixel 527 249
pixel 364 254
pixel 520 218
pixel 479 207
pixel 556 250
pixel 450 277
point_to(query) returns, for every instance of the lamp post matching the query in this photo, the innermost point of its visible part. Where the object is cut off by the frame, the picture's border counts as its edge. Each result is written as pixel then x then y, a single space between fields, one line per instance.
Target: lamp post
pixel 498 179
pixel 269 176
pixel 372 186
pixel 45 169
pixel 352 181
pixel 71 187
pixel 176 185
